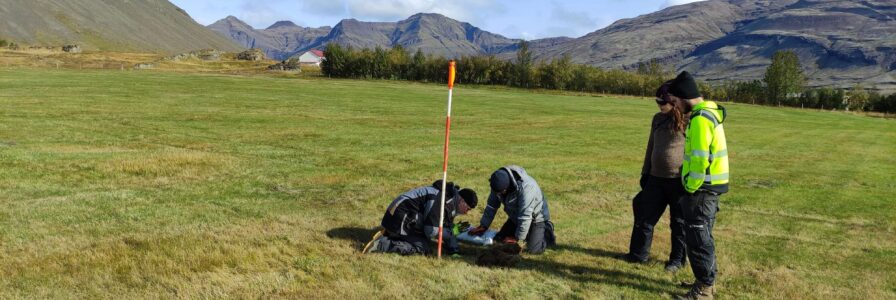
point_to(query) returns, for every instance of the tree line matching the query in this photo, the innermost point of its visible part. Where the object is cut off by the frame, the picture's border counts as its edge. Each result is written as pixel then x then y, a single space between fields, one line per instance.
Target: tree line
pixel 783 85
pixel 8 44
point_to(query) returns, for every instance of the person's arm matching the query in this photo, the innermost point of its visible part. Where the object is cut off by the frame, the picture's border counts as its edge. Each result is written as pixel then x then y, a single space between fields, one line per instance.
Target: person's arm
pixel 645 169
pixel 700 135
pixel 491 208
pixel 432 219
pixel 529 199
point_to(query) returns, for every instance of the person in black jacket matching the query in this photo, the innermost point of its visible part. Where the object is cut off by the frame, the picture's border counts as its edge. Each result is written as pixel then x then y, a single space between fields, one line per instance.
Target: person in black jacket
pixel 412 220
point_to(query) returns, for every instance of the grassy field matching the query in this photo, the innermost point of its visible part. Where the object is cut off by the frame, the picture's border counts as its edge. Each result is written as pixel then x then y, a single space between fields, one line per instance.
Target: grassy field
pixel 119 184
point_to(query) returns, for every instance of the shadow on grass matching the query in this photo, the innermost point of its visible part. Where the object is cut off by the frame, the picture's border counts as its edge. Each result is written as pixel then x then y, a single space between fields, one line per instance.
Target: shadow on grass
pixel 358 236
pixel 596 274
pixel 592 252
pixel 583 274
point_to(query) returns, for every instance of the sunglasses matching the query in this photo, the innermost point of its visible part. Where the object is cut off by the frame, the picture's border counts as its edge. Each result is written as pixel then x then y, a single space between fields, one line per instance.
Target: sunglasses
pixel 661 101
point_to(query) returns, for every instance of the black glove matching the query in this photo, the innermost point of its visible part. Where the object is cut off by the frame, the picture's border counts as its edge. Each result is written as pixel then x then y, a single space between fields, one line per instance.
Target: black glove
pixel 643 181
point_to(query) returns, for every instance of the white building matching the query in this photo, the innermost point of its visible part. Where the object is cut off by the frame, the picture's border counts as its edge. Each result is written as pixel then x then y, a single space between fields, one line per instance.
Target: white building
pixel 312 57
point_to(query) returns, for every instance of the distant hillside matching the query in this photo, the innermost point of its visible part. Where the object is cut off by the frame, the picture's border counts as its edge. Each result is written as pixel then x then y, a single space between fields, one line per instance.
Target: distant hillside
pixel 433 33
pixel 121 25
pixel 279 41
pixel 839 43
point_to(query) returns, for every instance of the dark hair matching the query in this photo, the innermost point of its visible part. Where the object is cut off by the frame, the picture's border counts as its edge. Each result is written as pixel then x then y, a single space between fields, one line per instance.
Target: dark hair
pixel 679 122
pixel 663 91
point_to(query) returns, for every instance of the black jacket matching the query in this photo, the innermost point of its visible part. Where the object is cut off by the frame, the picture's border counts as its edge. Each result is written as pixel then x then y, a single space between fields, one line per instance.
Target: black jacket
pixel 416 212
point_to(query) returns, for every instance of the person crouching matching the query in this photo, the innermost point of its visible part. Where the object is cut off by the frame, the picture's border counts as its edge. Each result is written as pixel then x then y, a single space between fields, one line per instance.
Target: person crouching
pixel 529 219
pixel 412 220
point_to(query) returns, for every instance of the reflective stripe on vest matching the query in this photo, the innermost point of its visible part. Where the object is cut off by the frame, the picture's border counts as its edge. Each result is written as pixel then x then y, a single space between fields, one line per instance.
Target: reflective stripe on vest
pixel 708 178
pixel 708 115
pixel 701 153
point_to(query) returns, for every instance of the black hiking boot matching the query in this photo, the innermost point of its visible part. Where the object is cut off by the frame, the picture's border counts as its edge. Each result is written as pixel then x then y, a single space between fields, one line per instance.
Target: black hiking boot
pixel 673 266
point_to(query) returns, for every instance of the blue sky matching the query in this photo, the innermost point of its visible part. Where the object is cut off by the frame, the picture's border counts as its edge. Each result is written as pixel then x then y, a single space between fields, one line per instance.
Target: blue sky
pixel 527 19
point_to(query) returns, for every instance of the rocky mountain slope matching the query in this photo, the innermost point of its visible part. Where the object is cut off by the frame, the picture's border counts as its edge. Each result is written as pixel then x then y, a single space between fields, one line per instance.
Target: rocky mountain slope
pixel 839 42
pixel 145 25
pixel 433 33
pixel 279 41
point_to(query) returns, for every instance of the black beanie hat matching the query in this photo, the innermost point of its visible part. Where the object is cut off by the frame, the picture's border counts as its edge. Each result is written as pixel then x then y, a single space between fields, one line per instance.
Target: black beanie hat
pixel 499 181
pixel 663 91
pixel 470 197
pixel 684 86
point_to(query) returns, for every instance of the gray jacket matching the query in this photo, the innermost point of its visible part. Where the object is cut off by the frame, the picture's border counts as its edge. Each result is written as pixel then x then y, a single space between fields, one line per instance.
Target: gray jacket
pixel 525 205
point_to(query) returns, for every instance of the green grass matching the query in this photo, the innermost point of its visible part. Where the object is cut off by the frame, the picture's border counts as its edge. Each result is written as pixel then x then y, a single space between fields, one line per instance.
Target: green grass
pixel 164 185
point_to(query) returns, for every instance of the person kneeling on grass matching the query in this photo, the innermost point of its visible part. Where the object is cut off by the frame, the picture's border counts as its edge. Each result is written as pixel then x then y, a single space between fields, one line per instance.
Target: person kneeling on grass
pixel 411 220
pixel 528 220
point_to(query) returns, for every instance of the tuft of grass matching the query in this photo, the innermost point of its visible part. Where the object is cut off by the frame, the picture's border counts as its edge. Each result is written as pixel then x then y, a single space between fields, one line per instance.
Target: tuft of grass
pixel 195 185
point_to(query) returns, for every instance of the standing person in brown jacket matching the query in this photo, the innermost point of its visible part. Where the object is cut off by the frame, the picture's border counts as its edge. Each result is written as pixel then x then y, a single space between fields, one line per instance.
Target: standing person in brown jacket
pixel 661 184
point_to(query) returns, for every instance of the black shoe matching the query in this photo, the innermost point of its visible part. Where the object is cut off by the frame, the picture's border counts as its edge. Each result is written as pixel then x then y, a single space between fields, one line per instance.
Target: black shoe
pixel 673 267
pixel 629 258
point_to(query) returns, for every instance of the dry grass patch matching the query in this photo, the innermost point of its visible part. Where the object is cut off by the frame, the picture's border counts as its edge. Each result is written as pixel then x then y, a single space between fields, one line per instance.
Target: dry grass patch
pixel 170 165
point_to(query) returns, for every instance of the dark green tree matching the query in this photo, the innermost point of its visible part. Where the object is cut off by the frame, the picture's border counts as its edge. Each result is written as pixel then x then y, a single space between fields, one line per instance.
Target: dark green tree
pixel 784 77
pixel 523 66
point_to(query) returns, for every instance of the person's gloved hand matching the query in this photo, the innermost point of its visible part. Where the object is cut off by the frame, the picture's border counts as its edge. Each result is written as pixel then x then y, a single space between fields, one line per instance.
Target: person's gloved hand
pixel 478 230
pixel 510 240
pixel 643 181
pixel 455 230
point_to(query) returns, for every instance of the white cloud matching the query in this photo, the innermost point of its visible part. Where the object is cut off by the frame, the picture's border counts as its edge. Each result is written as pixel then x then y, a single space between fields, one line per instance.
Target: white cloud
pixel 678 2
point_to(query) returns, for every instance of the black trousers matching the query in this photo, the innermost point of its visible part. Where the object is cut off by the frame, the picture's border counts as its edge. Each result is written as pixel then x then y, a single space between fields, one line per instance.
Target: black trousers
pixel 648 207
pixel 405 244
pixel 536 242
pixel 699 211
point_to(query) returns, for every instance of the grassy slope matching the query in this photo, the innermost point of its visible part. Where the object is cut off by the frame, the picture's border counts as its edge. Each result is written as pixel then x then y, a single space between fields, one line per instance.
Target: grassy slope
pixel 147 25
pixel 150 184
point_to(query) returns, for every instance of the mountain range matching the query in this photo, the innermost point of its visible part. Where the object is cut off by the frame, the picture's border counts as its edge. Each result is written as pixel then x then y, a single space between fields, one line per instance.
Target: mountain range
pixel 839 42
pixel 432 33
pixel 125 25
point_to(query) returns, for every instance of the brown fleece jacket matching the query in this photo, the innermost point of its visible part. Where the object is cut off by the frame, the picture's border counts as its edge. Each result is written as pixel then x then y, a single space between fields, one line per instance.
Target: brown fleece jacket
pixel 665 149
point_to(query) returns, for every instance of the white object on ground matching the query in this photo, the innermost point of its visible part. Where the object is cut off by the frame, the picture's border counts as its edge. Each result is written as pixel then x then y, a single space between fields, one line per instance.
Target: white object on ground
pixel 487 238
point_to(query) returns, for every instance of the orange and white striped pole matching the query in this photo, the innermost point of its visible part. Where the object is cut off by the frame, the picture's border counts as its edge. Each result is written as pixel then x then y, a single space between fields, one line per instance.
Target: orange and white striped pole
pixel 452 71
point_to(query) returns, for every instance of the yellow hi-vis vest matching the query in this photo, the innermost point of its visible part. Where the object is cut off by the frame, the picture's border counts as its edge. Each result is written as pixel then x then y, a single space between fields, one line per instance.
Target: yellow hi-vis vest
pixel 705 165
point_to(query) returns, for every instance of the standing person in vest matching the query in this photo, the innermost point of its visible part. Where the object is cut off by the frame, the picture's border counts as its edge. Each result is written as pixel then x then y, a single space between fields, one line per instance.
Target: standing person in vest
pixel 661 184
pixel 412 219
pixel 528 217
pixel 704 176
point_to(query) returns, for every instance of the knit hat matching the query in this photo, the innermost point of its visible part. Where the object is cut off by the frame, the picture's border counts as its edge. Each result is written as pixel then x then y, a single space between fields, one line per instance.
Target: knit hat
pixel 663 91
pixel 470 197
pixel 499 181
pixel 684 86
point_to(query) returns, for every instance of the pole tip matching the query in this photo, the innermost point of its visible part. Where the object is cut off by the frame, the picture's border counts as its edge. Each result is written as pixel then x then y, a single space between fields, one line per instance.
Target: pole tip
pixel 452 73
